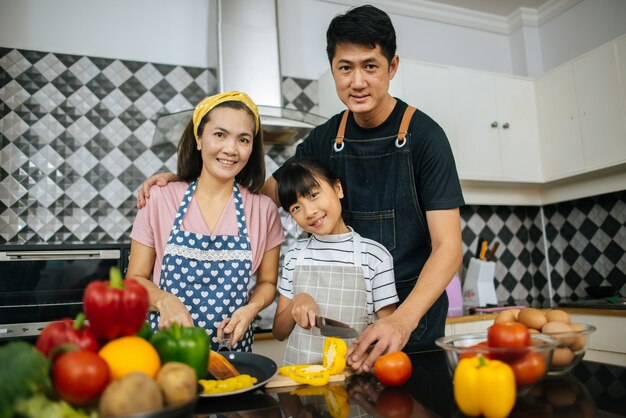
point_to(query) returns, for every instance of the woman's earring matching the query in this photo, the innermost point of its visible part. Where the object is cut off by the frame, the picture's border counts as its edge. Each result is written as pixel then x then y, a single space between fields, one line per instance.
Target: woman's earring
pixel 198 146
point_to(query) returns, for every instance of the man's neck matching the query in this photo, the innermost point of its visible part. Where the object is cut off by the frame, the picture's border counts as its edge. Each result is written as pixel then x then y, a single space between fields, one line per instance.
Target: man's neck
pixel 378 115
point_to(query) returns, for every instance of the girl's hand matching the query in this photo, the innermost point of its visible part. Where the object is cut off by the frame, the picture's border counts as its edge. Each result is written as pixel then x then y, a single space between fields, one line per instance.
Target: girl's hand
pixel 238 324
pixel 303 310
pixel 160 179
pixel 172 310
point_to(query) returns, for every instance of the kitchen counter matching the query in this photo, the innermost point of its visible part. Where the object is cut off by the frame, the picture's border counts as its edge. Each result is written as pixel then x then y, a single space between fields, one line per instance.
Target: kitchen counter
pixel 580 311
pixel 593 390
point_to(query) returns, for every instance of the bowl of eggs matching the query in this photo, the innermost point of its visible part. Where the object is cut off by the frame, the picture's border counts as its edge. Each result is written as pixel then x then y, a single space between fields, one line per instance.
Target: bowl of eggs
pixel 573 338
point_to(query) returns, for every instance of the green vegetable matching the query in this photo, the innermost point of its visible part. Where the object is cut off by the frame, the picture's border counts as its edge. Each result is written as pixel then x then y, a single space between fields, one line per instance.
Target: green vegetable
pixel 145 332
pixel 189 345
pixel 39 406
pixel 24 371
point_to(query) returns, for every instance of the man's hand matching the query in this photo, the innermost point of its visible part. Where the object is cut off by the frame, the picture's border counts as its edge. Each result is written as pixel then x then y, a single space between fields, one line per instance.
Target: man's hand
pixel 160 179
pixel 386 335
pixel 304 310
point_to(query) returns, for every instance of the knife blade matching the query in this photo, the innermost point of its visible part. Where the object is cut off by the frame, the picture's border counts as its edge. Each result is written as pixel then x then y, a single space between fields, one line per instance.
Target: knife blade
pixel 333 328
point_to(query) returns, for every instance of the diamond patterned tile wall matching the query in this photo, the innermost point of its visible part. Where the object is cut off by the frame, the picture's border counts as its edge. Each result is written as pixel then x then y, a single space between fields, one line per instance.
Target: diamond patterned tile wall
pixel 520 268
pixel 587 244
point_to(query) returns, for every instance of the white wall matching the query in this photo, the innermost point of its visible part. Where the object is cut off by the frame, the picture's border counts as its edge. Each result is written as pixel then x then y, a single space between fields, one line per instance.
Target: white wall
pixel 581 28
pixel 158 31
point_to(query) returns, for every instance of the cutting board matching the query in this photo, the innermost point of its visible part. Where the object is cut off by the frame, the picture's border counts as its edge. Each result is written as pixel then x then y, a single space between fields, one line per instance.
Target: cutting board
pixel 280 381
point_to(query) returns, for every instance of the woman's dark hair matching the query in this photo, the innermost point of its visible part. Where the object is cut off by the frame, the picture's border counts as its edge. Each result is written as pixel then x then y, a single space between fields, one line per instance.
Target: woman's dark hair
pixel 363 25
pixel 299 177
pixel 190 159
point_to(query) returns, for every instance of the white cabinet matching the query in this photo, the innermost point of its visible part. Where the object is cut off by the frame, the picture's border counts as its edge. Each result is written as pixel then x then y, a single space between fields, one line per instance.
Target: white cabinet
pixel 600 107
pixel 496 127
pixel 582 113
pixel 468 327
pixel 607 343
pixel 561 143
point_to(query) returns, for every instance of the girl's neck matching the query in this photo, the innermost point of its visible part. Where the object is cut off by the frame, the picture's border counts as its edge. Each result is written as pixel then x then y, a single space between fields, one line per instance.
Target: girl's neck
pixel 340 228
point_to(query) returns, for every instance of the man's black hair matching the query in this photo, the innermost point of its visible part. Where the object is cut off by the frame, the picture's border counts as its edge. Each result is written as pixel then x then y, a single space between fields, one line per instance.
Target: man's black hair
pixel 363 25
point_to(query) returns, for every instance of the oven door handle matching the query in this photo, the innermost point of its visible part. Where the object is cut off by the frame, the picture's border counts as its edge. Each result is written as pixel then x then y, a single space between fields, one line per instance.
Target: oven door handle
pixel 59 255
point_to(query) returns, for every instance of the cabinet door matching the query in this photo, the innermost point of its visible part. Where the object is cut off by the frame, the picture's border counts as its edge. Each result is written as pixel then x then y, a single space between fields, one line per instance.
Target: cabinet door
pixel 427 87
pixel 559 131
pixel 600 107
pixel 621 65
pixel 519 134
pixel 477 136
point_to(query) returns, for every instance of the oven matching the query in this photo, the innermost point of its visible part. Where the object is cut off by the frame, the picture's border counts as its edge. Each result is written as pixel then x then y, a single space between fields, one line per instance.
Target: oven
pixel 44 283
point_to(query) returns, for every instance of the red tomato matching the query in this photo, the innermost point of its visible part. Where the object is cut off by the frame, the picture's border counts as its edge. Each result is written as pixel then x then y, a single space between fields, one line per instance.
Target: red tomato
pixel 80 376
pixel 528 369
pixel 474 350
pixel 508 334
pixel 394 402
pixel 393 369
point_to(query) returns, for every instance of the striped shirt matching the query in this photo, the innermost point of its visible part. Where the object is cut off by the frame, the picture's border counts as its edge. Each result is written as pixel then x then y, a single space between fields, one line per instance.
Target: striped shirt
pixel 339 250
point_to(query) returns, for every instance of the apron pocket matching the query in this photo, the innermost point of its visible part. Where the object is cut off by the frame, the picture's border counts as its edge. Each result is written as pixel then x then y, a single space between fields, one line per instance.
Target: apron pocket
pixel 378 226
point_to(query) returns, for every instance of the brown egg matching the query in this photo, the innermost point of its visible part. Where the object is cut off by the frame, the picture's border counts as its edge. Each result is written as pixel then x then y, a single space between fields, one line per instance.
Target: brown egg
pixel 579 342
pixel 562 357
pixel 560 331
pixel 505 316
pixel 557 315
pixel 532 318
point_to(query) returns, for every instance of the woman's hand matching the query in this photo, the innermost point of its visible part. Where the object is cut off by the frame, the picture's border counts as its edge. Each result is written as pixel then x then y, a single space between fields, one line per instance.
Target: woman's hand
pixel 238 324
pixel 303 310
pixel 160 179
pixel 172 310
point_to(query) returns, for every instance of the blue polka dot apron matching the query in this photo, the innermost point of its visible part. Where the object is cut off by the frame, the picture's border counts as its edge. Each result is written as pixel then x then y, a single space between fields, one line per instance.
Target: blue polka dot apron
pixel 208 273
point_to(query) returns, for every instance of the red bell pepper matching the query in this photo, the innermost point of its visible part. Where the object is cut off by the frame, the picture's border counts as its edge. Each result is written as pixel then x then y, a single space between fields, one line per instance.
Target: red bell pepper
pixel 115 308
pixel 67 331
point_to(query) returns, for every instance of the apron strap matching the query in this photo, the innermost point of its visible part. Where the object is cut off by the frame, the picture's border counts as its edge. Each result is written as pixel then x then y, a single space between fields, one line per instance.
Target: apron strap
pixel 404 126
pixel 341 131
pixel 402 133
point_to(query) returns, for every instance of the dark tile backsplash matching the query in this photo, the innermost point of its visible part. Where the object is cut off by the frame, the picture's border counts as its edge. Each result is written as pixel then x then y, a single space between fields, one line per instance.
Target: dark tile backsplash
pixel 76 142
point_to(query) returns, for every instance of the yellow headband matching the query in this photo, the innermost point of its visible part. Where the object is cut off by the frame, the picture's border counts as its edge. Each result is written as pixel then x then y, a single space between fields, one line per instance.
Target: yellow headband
pixel 210 102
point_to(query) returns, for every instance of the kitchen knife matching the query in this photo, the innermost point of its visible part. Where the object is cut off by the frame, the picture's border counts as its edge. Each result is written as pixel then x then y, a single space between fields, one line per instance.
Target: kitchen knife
pixel 332 328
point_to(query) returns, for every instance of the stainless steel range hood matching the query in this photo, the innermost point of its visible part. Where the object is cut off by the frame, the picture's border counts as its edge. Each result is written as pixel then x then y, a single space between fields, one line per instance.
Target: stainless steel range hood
pixel 249 61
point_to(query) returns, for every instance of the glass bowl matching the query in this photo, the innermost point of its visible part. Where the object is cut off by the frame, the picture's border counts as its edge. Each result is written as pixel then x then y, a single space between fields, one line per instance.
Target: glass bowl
pixel 571 350
pixel 465 345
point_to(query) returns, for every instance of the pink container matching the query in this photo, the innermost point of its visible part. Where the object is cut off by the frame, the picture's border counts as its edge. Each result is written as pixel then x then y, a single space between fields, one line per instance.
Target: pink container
pixel 455 297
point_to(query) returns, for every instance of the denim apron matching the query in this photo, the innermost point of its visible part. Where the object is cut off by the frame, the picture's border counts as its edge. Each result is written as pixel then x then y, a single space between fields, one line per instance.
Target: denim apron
pixel 208 273
pixel 340 294
pixel 383 205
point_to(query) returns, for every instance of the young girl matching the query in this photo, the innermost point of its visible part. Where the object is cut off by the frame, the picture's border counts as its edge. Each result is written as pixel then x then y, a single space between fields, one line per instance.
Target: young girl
pixel 335 273
pixel 201 238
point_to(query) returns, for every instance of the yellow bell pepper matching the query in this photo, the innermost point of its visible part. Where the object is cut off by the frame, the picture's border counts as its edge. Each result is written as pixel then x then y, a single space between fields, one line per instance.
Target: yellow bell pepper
pixel 307 374
pixel 231 384
pixel 484 387
pixel 335 397
pixel 334 355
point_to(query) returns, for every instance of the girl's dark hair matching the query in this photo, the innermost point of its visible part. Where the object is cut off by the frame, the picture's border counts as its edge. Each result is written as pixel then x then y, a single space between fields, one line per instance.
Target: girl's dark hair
pixel 363 25
pixel 190 159
pixel 299 177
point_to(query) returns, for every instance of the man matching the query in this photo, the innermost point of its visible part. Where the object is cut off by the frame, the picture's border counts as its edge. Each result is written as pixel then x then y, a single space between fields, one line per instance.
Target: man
pixel 400 180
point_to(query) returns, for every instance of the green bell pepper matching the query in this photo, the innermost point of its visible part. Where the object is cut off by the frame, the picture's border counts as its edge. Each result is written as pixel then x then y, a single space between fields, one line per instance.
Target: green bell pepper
pixel 189 345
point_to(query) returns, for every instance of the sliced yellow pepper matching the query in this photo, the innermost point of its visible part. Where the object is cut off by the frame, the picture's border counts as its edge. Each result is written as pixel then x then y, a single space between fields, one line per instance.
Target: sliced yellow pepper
pixel 231 384
pixel 334 355
pixel 484 387
pixel 307 374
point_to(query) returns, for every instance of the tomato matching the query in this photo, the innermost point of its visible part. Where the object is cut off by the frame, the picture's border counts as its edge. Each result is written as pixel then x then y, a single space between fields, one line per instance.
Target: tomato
pixel 393 369
pixel 394 402
pixel 508 334
pixel 80 376
pixel 528 369
pixel 474 350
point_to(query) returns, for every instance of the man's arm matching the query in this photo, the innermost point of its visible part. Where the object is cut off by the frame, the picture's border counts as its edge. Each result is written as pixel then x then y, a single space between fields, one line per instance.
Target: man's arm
pixel 392 332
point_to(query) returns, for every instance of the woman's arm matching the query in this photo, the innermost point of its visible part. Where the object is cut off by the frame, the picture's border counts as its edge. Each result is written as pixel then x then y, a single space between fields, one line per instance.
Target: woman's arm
pixel 263 296
pixel 140 267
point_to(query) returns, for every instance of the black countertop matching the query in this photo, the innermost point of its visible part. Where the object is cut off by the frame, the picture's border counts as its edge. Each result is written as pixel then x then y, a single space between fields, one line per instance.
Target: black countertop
pixel 592 390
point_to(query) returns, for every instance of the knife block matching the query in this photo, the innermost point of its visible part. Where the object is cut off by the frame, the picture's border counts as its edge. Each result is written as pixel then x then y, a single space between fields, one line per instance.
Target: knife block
pixel 478 288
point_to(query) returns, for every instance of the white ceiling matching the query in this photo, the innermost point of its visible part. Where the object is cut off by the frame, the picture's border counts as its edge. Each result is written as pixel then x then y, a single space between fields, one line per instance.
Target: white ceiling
pixel 497 7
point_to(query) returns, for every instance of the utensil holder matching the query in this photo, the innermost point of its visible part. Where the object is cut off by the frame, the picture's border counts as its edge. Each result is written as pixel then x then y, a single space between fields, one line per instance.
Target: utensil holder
pixel 478 288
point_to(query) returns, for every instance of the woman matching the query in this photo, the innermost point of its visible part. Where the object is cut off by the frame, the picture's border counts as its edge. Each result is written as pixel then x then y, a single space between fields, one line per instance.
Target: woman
pixel 202 237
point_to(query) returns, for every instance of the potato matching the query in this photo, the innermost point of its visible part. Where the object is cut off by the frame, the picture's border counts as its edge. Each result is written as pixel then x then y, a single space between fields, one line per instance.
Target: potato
pixel 178 382
pixel 135 392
